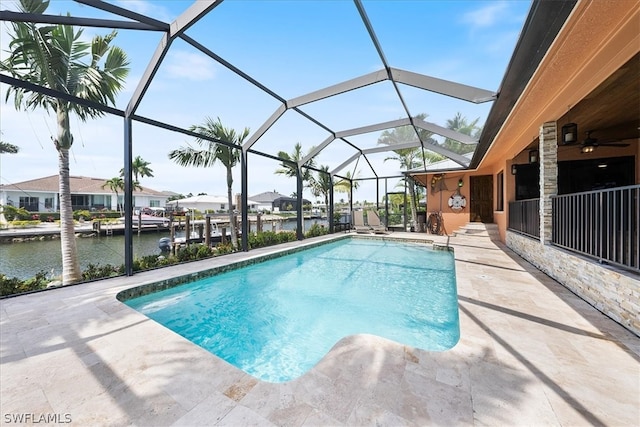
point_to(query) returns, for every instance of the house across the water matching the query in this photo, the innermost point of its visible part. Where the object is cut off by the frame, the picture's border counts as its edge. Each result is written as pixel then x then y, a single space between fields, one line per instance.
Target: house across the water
pixel 87 193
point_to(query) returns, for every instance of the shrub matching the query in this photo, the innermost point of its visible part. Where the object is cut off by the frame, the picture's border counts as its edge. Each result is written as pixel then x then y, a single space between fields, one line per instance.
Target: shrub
pixel 12 213
pixel 25 224
pixel 145 263
pixel 223 249
pixel 81 214
pixel 270 238
pixel 287 236
pixel 10 286
pixel 187 253
pixel 203 252
pixel 316 230
pixel 262 239
pixel 96 271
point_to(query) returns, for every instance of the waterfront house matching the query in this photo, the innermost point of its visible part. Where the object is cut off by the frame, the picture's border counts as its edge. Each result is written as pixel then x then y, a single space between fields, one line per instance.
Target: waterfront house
pixel 206 203
pixel 264 201
pixel 87 193
pixel 288 204
pixel 556 170
pixel 530 352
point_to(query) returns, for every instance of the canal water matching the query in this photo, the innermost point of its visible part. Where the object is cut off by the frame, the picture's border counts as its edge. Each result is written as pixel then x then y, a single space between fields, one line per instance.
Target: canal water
pixel 24 260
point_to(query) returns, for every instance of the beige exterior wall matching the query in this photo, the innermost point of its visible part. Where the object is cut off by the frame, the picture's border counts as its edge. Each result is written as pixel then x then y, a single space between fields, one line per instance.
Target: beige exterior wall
pixel 599 37
pixel 439 201
pixel 614 292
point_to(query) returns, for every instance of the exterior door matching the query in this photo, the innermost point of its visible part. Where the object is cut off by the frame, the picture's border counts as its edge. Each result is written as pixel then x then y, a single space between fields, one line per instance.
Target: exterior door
pixel 481 205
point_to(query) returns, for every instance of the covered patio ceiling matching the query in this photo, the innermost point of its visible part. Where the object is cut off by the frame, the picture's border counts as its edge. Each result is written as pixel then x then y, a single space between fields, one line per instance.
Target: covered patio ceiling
pixel 340 121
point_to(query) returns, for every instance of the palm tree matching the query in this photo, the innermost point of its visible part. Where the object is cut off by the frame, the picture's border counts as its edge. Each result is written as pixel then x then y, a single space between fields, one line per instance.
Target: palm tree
pixel 115 184
pixel 55 57
pixel 140 168
pixel 347 185
pixel 404 134
pixel 210 152
pixel 291 170
pixel 5 147
pixel 321 185
pixel 408 158
pixel 459 123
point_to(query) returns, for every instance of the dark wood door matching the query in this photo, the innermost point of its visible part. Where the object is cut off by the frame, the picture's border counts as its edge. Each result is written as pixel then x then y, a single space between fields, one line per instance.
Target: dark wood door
pixel 481 205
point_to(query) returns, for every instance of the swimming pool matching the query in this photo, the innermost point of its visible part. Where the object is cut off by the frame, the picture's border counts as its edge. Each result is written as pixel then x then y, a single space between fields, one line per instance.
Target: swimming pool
pixel 276 319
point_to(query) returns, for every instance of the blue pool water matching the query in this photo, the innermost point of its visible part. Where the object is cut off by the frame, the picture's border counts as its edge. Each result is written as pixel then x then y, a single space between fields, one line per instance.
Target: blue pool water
pixel 278 318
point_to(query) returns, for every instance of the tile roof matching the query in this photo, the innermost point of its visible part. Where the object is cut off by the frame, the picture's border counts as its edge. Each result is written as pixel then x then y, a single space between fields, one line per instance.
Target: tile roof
pixel 79 184
pixel 266 197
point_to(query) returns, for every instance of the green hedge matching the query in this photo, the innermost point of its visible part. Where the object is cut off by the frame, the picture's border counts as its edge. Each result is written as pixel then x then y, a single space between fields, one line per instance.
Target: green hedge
pixel 11 286
pixel 316 230
pixel 270 238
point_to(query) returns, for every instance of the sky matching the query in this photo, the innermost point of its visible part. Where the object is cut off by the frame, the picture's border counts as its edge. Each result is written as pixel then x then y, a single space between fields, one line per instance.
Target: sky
pixel 292 48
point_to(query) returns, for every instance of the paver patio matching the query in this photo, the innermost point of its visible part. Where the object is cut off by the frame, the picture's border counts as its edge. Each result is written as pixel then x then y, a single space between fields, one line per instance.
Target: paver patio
pixel 530 353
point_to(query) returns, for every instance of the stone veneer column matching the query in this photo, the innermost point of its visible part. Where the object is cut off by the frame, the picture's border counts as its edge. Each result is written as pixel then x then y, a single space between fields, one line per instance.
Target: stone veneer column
pixel 548 152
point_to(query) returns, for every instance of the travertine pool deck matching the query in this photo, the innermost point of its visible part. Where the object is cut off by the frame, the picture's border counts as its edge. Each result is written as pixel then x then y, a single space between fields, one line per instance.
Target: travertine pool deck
pixel 530 353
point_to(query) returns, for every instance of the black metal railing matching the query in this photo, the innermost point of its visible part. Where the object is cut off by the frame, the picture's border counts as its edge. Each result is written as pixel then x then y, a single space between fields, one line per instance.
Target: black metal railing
pixel 524 217
pixel 602 224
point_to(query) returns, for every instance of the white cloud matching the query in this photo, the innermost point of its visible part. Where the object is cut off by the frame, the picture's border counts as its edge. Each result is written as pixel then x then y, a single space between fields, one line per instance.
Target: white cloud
pixel 191 66
pixel 486 16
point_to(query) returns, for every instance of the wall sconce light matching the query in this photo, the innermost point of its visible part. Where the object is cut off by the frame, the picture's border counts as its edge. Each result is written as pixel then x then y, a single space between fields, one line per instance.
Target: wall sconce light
pixel 460 183
pixel 514 169
pixel 569 133
pixel 533 156
pixel 587 148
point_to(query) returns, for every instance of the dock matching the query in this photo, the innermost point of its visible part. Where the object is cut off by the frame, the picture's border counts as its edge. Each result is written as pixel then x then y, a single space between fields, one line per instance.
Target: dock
pixel 47 230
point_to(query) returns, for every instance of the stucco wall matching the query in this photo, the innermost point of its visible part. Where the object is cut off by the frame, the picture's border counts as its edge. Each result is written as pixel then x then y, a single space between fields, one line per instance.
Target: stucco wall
pixel 438 201
pixel 614 293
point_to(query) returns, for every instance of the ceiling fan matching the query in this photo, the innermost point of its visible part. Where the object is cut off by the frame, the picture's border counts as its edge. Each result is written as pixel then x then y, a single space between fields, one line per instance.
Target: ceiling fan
pixel 590 144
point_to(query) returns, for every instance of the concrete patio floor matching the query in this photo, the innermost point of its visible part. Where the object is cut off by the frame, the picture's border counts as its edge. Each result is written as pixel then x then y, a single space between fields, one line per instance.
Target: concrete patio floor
pixel 530 353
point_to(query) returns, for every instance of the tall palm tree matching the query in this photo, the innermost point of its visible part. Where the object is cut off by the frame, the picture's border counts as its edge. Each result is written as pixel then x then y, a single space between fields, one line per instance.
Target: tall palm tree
pixel 5 147
pixel 55 57
pixel 321 185
pixel 287 169
pixel 139 168
pixel 404 134
pixel 209 152
pixel 115 184
pixel 460 124
pixel 408 158
pixel 408 161
pixel 347 185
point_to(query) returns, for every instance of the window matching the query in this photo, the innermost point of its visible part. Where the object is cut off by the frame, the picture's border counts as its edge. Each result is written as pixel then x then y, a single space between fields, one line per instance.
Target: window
pixel 528 181
pixel 48 203
pixel 79 201
pixel 500 191
pixel 29 203
pixel 154 203
pixel 222 206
